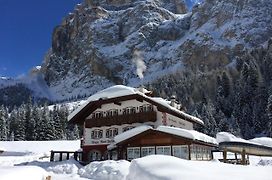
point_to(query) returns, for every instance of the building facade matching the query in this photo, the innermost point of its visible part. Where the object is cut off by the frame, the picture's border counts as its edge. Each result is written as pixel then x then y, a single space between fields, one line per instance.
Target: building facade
pixel 118 109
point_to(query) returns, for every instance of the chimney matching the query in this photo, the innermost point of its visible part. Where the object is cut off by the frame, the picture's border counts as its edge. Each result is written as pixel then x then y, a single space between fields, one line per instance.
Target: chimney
pixel 173 101
pixel 141 89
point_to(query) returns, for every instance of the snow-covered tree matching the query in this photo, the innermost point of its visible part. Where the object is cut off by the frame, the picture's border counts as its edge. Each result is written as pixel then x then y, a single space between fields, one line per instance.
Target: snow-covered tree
pixel 3 124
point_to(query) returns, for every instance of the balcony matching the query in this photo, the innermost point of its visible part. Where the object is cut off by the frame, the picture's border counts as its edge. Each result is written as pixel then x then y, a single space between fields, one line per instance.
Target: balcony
pixel 141 117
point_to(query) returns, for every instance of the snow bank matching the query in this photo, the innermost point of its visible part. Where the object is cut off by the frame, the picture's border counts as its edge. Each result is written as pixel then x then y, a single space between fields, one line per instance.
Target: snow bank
pixel 38 147
pixel 159 167
pixel 70 166
pixel 22 173
pixel 105 170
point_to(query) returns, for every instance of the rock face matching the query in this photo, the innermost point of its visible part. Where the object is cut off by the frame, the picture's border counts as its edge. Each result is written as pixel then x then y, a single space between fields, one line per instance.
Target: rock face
pixel 94 45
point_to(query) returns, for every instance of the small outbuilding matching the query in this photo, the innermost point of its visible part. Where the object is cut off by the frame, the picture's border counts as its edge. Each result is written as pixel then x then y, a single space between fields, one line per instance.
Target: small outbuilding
pixel 255 147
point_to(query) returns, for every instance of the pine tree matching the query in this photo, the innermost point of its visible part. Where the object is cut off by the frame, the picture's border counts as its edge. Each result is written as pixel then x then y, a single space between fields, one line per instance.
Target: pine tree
pixel 57 123
pixel 3 124
pixel 29 121
pixel 269 113
pixel 210 125
pixel 19 131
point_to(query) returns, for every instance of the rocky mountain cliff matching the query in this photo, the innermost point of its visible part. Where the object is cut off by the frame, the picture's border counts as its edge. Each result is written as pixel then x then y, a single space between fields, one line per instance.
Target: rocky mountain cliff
pixel 95 46
pixel 207 55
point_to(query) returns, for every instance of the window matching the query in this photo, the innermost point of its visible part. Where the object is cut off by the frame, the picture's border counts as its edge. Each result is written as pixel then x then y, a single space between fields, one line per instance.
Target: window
pixel 133 153
pixel 97 134
pixel 95 155
pixel 199 152
pixel 110 133
pixel 145 108
pixel 193 152
pixel 98 114
pixel 149 108
pixel 166 150
pixel 115 112
pixel 127 128
pixel 113 155
pixel 147 151
pixel 141 109
pixel 180 151
pixel 133 110
pixel 129 110
pixel 112 112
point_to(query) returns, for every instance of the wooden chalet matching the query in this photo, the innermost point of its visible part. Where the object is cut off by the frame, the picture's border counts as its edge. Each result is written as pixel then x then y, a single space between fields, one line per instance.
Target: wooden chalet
pixel 145 140
pixel 118 109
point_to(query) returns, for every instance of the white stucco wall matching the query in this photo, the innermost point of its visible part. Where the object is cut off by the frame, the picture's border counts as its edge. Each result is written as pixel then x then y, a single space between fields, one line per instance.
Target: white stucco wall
pixel 173 121
pixel 170 120
pixel 104 140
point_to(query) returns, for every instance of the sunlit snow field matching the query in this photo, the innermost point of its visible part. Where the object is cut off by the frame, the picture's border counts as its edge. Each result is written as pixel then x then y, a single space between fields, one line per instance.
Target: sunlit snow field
pixel 30 161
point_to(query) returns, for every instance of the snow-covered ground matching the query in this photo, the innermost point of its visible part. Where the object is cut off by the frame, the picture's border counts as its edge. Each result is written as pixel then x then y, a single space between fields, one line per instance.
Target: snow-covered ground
pixel 21 158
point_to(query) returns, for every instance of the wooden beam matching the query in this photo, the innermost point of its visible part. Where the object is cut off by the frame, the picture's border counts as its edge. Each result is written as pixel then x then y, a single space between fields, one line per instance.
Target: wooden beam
pixel 117 103
pixel 139 99
pixel 189 147
pixel 60 157
pixel 243 157
pixel 225 156
pixel 52 156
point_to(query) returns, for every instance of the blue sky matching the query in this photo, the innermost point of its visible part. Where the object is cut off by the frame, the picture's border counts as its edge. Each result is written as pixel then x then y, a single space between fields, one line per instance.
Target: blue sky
pixel 25 32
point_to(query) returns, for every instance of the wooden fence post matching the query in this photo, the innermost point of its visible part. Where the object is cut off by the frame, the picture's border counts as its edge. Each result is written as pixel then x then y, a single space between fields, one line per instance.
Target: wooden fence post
pixel 52 156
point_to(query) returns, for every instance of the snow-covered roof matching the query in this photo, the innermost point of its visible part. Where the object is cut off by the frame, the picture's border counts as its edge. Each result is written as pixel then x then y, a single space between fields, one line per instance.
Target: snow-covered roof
pixel 130 133
pixel 111 92
pixel 228 137
pixel 121 90
pixel 190 134
pixel 265 141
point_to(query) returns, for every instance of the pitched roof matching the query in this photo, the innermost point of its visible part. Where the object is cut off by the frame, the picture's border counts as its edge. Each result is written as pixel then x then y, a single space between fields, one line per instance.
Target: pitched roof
pixel 121 93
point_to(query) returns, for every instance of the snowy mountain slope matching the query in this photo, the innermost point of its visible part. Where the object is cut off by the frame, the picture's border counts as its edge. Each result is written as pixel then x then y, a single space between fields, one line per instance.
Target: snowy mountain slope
pixel 100 43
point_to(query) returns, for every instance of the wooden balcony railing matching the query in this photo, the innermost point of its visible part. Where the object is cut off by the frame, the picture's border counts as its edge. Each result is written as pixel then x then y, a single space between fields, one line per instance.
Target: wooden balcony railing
pixel 122 119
